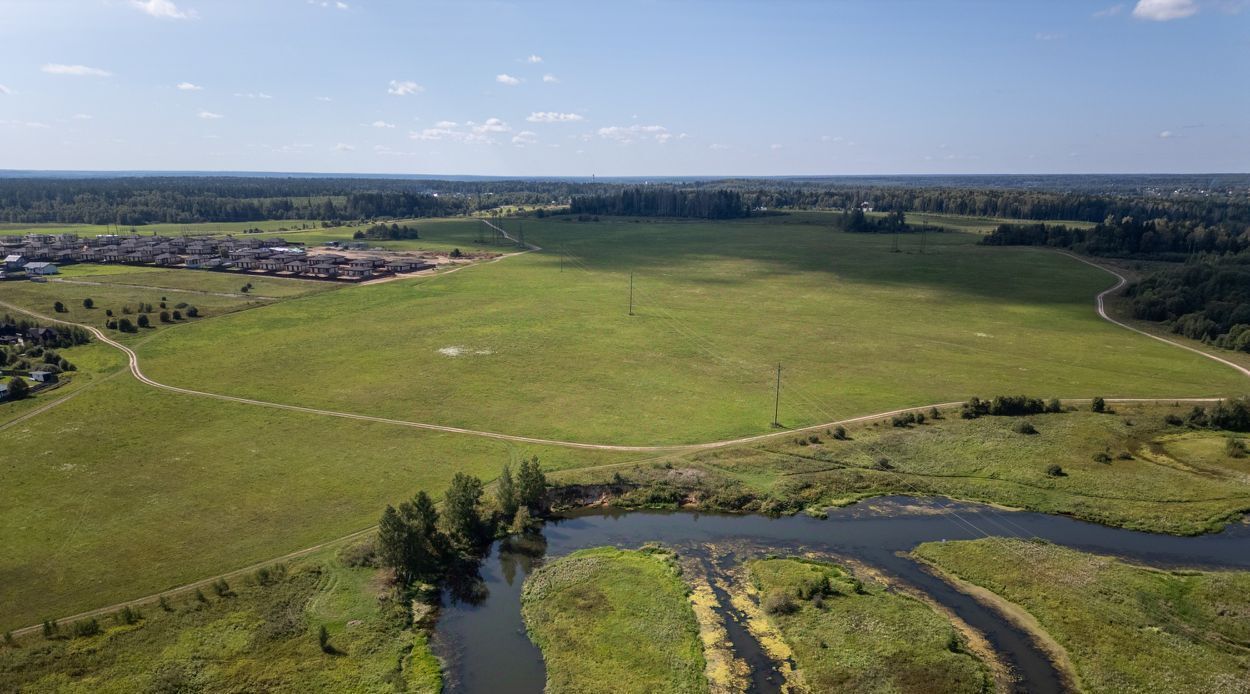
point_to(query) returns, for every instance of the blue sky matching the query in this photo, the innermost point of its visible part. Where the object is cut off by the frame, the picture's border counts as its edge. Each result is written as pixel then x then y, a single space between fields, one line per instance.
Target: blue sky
pixel 626 88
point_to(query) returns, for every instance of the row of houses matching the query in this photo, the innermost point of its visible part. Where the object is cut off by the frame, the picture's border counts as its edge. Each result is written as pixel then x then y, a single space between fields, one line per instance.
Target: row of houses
pixel 36 254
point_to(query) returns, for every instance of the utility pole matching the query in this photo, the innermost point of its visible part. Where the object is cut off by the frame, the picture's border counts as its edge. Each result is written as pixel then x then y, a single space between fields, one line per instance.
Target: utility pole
pixel 777 399
pixel 561 258
pixel 895 249
pixel 631 293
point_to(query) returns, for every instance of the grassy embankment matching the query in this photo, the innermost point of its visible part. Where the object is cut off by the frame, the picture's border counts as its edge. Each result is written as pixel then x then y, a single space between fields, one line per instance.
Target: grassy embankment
pixel 855 636
pixel 1127 468
pixel 614 619
pixel 1121 627
pixel 857 328
pixel 257 637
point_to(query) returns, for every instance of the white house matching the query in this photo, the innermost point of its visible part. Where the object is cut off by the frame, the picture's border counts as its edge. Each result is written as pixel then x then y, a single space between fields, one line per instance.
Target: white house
pixel 40 269
pixel 14 262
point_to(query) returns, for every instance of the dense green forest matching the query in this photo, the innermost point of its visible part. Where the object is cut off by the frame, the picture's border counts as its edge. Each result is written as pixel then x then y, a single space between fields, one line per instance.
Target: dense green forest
pixel 1208 300
pixel 663 201
pixel 137 200
pixel 1160 238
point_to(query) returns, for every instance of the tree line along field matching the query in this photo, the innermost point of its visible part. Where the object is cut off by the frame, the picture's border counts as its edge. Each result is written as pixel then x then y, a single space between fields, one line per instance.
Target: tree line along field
pixel 856 327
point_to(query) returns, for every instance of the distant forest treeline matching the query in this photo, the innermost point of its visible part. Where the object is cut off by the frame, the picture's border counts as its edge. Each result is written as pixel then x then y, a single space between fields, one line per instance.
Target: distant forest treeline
pixel 1159 238
pixel 137 200
pixel 662 201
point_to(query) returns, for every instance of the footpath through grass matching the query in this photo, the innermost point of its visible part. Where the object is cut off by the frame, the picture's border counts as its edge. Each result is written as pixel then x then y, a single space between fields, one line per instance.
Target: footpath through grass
pixel 849 635
pixel 252 637
pixel 1125 628
pixel 717 306
pixel 618 620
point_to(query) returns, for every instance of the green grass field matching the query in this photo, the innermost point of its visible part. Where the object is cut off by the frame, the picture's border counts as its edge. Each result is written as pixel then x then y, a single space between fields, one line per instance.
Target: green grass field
pixel 854 636
pixel 258 638
pixel 1125 628
pixel 857 329
pixel 611 619
pixel 124 490
pixel 1155 477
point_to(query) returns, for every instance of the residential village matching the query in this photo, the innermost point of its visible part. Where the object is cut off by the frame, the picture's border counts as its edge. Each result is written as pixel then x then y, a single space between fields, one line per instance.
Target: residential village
pixel 34 256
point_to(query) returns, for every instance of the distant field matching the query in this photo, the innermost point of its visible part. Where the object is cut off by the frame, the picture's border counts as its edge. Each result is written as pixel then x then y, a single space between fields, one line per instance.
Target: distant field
pixel 718 305
pixel 193 280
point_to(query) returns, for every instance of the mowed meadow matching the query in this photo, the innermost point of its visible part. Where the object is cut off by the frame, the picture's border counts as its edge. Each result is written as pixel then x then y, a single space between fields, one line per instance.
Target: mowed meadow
pixel 543 344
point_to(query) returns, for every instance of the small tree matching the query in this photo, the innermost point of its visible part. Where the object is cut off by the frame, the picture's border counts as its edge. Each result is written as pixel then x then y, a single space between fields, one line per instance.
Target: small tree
pixel 143 321
pixel 58 307
pixel 177 315
pixel 1027 428
pixel 193 312
pixel 18 389
pixel 521 522
pixel 1053 405
pixel 531 485
pixel 88 303
pixel 164 316
pixel 108 312
pixel 323 640
pixel 461 518
pixel 50 629
pixel 505 493
pixel 1098 405
pixel 163 602
pixel 9 640
pixel 1054 470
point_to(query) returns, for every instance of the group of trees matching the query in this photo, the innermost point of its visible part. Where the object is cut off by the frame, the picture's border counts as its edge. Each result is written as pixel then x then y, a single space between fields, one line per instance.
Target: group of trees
pixel 663 201
pixel 1228 415
pixel 49 336
pixel 1157 238
pixel 855 221
pixel 382 232
pixel 421 544
pixel 1008 406
pixel 1208 300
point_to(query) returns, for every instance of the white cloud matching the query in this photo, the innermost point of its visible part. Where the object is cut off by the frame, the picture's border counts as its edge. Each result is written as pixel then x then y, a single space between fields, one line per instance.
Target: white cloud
pixel 75 70
pixel 209 115
pixel 525 137
pixel 1166 134
pixel 5 90
pixel 831 138
pixel 1043 36
pixel 324 98
pixel 341 5
pixel 718 146
pixel 507 79
pixel 82 116
pixel 552 117
pixel 1109 11
pixel 775 147
pixel 381 124
pixel 188 87
pixel 550 78
pixel 492 125
pixel 164 9
pixel 1164 10
pixel 404 88
pixel 627 134
pixel 253 95
pixel 470 132
pixel 534 59
pixel 340 147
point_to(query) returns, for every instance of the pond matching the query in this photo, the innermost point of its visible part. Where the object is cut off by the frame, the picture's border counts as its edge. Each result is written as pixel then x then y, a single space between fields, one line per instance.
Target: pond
pixel 484 644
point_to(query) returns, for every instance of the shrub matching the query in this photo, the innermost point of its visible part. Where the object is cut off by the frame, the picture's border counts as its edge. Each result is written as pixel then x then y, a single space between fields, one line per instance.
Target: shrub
pixel 163 602
pixel 1053 405
pixel 58 307
pixel 200 597
pixel 143 321
pixel 1055 471
pixel 1173 421
pixel 1098 405
pixel 363 553
pixel 127 615
pixel 180 304
pixel 221 588
pixel 177 315
pixel 1027 428
pixel 839 433
pixel 813 439
pixel 193 312
pixel 88 303
pixel 108 312
pixel 50 629
pixel 883 464
pixel 164 316
pixel 777 602
pixel 1102 457
pixel 323 640
pixel 86 627
pixel 935 413
pixel 1235 448
pixel 1124 455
